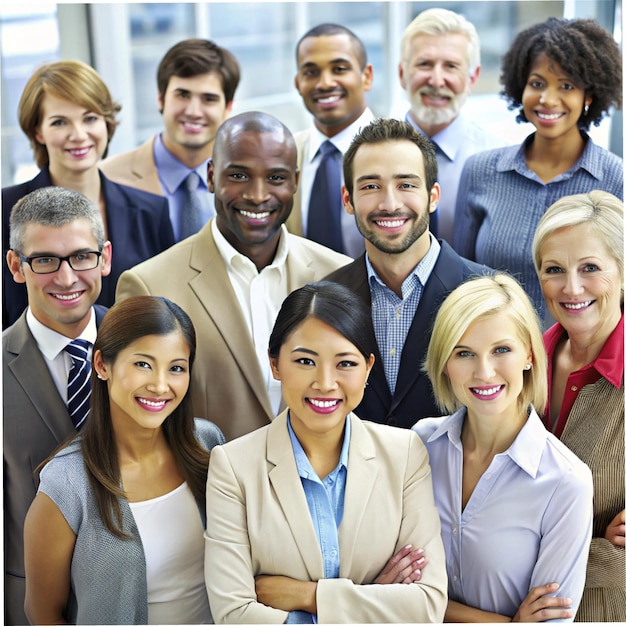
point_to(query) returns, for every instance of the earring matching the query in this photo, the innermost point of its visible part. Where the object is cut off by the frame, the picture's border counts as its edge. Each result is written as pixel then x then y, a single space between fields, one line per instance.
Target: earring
pixel 527 366
pixel 366 384
pixel 99 377
pixel 586 109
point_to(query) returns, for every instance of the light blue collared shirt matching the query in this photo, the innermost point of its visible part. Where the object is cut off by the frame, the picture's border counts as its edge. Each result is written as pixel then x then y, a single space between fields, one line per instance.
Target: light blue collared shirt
pixel 325 499
pixel 392 316
pixel 172 173
pixel 527 523
pixel 501 201
pixel 453 145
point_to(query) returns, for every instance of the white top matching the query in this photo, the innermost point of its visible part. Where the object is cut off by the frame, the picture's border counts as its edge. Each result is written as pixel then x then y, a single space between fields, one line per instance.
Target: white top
pixel 354 244
pixel 260 295
pixel 171 532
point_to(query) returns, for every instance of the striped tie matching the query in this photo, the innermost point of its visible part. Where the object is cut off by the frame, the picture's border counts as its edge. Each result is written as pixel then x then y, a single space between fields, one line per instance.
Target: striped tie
pixel 79 381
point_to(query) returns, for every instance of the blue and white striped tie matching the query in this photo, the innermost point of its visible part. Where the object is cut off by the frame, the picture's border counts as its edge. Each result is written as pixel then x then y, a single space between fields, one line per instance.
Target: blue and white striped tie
pixel 79 381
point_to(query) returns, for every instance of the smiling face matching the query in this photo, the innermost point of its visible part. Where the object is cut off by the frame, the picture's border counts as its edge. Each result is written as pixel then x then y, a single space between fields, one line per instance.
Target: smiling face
pixel 192 109
pixel 389 201
pixel 581 282
pixel 63 299
pixel 75 138
pixel 551 101
pixel 147 381
pixel 254 180
pixel 486 367
pixel 436 77
pixel 331 81
pixel 323 377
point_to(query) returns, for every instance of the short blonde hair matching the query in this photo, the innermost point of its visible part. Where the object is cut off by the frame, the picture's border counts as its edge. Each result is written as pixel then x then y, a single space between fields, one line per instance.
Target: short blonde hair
pixel 601 211
pixel 71 80
pixel 442 22
pixel 476 299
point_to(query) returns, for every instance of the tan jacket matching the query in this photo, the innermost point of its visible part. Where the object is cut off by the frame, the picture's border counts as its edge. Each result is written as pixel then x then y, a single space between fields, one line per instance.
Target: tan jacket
pixel 227 382
pixel 135 168
pixel 258 522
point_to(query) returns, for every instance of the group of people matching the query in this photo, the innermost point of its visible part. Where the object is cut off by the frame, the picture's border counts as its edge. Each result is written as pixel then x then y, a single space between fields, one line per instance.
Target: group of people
pixel 303 406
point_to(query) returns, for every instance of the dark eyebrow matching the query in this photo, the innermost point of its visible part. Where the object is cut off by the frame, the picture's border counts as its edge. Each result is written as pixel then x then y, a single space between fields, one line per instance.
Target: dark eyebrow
pixel 305 350
pixel 82 250
pixel 395 177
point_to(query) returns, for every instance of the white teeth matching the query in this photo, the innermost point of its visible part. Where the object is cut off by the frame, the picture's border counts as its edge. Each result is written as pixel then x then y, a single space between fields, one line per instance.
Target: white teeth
pixel 79 152
pixel 194 126
pixel 71 296
pixel 390 223
pixel 578 305
pixel 487 392
pixel 151 403
pixel 255 216
pixel 323 404
pixel 328 99
pixel 549 117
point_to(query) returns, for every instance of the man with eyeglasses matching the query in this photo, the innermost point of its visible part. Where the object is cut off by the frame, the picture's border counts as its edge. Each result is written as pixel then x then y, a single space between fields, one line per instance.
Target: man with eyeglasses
pixel 59 253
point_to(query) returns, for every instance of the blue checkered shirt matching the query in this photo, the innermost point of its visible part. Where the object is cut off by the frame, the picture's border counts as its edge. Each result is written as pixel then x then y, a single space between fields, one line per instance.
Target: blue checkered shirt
pixel 392 316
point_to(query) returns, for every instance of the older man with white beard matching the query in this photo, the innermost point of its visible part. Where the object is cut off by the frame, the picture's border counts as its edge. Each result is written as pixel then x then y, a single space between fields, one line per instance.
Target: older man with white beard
pixel 440 63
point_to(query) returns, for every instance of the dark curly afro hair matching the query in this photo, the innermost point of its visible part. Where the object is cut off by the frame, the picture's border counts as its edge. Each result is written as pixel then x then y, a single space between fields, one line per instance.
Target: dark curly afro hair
pixel 584 50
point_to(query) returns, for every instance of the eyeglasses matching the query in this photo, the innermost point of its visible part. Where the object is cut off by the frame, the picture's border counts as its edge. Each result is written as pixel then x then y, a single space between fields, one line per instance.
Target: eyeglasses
pixel 48 263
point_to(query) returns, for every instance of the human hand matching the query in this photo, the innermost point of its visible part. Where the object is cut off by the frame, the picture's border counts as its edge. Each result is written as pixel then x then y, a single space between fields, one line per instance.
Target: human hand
pixel 616 530
pixel 405 566
pixel 539 607
pixel 286 594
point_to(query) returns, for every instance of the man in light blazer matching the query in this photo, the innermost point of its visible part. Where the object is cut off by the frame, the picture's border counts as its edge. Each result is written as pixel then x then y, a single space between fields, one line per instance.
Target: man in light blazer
pixel 196 82
pixel 232 276
pixel 405 274
pixel 60 222
pixel 332 79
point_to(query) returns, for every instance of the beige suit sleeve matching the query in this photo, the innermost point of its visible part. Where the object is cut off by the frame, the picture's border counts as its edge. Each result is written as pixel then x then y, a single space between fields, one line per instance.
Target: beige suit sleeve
pixel 130 284
pixel 342 601
pixel 228 568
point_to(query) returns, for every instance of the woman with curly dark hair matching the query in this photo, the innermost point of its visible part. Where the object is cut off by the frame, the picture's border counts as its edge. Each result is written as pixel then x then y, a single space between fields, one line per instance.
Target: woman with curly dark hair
pixel 563 76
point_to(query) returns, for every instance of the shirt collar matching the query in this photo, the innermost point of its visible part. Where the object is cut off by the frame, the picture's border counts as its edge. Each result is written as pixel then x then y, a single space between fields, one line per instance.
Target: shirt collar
pixel 526 451
pixel 342 139
pixel 172 172
pixel 421 271
pixel 447 139
pixel 515 159
pixel 305 470
pixel 229 254
pixel 50 342
pixel 610 361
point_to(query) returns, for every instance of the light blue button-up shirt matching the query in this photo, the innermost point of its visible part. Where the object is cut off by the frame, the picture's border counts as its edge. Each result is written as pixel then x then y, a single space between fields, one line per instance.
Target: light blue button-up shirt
pixel 527 523
pixel 325 499
pixel 172 173
pixel 392 316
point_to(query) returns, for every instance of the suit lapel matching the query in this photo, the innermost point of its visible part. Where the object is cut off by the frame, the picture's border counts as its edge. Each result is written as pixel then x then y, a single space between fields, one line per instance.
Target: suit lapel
pixel 144 167
pixel 214 291
pixel 362 473
pixel 31 371
pixel 290 494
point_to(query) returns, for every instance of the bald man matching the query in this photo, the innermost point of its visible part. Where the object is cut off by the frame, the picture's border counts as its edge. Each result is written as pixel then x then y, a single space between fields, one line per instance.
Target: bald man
pixel 232 276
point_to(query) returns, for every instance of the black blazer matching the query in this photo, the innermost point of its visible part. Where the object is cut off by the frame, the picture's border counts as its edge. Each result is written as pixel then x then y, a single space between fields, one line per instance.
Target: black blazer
pixel 413 398
pixel 35 421
pixel 138 226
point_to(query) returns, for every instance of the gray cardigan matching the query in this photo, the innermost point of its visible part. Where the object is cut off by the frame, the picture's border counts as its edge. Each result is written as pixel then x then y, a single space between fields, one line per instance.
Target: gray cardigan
pixel 108 574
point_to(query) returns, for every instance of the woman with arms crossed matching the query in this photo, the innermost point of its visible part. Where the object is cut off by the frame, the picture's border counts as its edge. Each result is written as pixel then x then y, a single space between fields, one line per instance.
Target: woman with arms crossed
pixel 303 515
pixel 114 535
pixel 578 252
pixel 515 503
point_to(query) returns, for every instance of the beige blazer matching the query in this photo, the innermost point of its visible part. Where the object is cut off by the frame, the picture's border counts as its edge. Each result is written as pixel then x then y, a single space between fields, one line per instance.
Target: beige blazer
pixel 294 221
pixel 135 168
pixel 227 383
pixel 258 522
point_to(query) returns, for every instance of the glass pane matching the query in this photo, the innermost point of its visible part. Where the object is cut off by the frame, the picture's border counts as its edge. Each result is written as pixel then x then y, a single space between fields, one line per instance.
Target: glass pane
pixel 29 36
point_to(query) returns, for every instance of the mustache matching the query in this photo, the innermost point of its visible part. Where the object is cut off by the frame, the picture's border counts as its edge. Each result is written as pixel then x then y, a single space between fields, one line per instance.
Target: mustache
pixel 437 93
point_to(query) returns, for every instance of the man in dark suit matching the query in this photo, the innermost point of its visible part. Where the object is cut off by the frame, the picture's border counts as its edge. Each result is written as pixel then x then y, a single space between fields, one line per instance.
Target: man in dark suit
pixel 391 188
pixel 50 228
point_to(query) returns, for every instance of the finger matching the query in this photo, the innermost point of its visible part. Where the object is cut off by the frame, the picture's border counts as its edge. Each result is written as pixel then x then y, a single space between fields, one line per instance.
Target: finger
pixel 400 554
pixel 404 561
pixel 537 592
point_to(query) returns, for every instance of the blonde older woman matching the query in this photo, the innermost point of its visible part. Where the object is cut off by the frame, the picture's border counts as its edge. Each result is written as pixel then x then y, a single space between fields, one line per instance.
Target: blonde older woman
pixel 578 251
